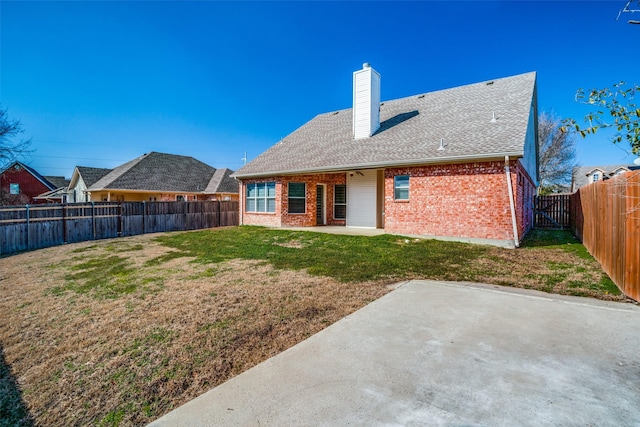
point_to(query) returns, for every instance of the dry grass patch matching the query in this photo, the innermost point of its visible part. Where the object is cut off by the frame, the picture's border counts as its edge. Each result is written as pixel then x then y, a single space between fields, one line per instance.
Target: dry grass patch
pixel 119 332
pixel 85 357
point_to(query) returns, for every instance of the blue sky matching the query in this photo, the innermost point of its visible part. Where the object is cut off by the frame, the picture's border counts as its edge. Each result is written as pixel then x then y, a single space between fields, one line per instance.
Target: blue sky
pixel 100 83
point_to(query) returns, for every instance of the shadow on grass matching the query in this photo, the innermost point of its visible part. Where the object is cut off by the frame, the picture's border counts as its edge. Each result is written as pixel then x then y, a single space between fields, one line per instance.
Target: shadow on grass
pixel 13 410
pixel 549 237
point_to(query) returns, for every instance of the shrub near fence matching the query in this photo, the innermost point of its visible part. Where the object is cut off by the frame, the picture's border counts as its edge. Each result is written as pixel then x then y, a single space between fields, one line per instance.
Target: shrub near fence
pixel 605 216
pixel 33 227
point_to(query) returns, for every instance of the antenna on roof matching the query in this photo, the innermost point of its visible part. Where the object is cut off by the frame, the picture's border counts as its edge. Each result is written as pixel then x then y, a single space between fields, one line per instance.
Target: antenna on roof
pixel 441 147
pixel 493 117
pixel 244 159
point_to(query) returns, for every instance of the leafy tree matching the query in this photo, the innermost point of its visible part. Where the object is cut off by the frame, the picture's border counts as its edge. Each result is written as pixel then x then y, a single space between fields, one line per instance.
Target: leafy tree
pixel 557 154
pixel 11 147
pixel 616 108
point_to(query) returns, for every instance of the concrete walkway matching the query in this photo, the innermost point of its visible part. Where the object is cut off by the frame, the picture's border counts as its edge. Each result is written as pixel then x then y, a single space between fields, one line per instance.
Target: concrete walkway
pixel 444 354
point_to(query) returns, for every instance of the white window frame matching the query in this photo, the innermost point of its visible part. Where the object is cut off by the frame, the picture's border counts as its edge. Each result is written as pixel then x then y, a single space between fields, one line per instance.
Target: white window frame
pixel 595 177
pixel 266 197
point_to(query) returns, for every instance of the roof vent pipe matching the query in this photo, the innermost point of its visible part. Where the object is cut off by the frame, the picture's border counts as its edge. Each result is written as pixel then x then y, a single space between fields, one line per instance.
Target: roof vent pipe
pixel 366 102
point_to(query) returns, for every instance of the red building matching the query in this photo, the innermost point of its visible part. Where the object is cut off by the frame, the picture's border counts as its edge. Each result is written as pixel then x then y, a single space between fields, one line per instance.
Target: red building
pixel 19 184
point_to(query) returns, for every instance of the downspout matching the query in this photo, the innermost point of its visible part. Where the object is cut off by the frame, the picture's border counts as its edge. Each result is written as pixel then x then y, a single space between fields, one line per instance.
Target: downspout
pixel 507 170
pixel 240 202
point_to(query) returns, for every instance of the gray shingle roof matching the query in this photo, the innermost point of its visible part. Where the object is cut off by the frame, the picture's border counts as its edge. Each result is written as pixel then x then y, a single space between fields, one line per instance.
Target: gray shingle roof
pixel 411 130
pixel 57 181
pixel 91 175
pixel 163 172
pixel 222 182
pixel 579 174
pixel 158 172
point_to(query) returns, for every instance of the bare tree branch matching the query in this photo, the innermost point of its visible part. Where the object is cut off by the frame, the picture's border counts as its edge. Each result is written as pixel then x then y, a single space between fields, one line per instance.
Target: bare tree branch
pixel 11 146
pixel 557 153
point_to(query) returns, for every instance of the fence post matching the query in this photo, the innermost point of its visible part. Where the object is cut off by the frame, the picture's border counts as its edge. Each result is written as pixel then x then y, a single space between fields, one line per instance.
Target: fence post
pixel 119 219
pixel 64 223
pixel 144 211
pixel 93 219
pixel 27 215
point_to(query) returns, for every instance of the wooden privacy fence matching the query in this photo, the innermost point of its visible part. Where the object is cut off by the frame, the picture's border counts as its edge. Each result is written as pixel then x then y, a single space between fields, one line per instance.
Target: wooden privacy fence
pixel 39 226
pixel 552 211
pixel 605 216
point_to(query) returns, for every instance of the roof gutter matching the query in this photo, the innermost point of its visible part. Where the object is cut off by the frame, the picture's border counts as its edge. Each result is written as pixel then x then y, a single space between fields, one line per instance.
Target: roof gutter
pixel 375 165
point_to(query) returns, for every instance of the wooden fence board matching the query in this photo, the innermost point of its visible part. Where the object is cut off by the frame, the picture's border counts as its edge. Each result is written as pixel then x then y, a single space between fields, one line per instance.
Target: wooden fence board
pixel 605 216
pixel 552 211
pixel 27 227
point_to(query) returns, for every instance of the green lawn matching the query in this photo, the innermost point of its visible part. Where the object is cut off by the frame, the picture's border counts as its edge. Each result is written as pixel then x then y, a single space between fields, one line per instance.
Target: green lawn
pixel 554 261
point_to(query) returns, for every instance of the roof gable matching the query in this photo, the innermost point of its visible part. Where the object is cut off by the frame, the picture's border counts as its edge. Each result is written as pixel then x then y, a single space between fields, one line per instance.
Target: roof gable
pixel 411 131
pixel 581 173
pixel 222 182
pixel 33 172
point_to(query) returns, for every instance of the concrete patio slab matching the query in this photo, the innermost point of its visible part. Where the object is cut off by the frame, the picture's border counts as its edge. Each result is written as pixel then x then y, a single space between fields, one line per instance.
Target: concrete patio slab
pixel 445 354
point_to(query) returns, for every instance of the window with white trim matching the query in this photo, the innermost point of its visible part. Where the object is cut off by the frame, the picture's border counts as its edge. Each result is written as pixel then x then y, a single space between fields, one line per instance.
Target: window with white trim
pixel 401 187
pixel 261 197
pixel 340 201
pixel 595 177
pixel 14 188
pixel 297 197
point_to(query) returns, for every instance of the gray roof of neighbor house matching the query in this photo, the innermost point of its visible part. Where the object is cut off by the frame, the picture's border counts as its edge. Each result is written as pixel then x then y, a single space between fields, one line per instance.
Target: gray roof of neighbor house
pixel 158 172
pixel 57 181
pixel 222 182
pixel 579 175
pixel 411 131
pixel 91 175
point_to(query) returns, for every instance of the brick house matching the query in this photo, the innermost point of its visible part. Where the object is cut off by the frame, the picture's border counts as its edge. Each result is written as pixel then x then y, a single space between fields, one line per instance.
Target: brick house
pixel 458 164
pixel 20 184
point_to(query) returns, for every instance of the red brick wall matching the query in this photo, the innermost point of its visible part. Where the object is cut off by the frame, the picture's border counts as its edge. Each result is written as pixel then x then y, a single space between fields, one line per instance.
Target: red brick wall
pixel 458 200
pixel 282 216
pixel 30 186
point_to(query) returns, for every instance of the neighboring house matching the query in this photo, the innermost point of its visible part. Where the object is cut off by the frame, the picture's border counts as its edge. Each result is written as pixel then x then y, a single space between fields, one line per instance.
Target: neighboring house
pixel 82 178
pixel 583 175
pixel 21 184
pixel 59 195
pixel 457 164
pixel 161 177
